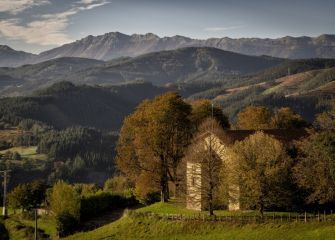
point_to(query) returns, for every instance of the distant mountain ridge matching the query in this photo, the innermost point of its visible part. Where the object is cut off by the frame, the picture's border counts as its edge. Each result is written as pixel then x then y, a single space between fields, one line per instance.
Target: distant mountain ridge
pixel 191 64
pixel 114 45
pixel 12 58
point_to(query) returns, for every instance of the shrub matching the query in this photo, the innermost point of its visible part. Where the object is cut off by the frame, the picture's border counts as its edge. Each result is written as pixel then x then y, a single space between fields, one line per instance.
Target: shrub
pixel 3 231
pixel 94 204
pixel 151 198
pixel 66 224
pixel 118 184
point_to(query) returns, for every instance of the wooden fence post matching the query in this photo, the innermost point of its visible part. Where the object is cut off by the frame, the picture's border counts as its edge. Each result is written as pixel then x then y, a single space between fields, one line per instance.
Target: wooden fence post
pixel 305 217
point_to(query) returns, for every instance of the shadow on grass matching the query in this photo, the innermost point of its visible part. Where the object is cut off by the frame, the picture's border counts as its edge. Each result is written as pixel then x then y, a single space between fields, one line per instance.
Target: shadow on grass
pixel 106 218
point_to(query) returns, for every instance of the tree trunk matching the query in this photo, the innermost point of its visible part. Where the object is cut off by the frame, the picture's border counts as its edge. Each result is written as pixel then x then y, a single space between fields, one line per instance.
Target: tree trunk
pixel 211 210
pixel 164 190
pixel 210 199
pixel 164 182
pixel 261 210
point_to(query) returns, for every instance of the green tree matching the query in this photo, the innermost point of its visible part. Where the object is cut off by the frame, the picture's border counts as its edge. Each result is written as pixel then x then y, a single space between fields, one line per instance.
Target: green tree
pixel 286 118
pixel 152 141
pixel 27 196
pixel 254 117
pixel 315 170
pixel 202 109
pixel 64 199
pixel 263 170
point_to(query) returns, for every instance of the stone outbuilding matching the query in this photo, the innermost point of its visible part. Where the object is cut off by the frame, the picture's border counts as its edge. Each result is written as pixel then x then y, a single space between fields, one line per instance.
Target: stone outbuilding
pixel 194 181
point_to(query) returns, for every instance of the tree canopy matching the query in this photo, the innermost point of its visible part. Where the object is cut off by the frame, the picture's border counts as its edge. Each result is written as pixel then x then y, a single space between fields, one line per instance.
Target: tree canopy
pixel 254 117
pixel 262 169
pixel 27 196
pixel 315 170
pixel 202 109
pixel 286 118
pixel 152 141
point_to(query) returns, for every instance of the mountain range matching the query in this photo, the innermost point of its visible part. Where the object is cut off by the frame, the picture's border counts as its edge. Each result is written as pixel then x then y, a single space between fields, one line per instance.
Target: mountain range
pixel 193 64
pixel 115 45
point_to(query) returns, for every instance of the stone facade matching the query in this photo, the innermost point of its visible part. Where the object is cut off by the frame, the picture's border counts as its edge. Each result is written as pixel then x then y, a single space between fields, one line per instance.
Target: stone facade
pixel 194 183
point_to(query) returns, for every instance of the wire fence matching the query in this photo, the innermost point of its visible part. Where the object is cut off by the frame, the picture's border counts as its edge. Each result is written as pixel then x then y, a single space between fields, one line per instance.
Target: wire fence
pixel 268 218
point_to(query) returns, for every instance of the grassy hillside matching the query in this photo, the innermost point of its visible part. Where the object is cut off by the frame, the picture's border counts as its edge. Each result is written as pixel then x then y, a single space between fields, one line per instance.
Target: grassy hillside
pixel 26 152
pixel 307 91
pixel 146 228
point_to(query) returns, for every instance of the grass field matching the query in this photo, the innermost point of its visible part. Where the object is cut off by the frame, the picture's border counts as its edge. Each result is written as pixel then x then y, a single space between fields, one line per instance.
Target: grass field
pixel 131 227
pixel 22 229
pixel 134 226
pixel 178 208
pixel 27 152
pixel 146 228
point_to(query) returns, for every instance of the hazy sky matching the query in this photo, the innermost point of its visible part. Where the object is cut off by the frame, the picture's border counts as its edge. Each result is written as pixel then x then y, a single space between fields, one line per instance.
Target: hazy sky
pixel 37 25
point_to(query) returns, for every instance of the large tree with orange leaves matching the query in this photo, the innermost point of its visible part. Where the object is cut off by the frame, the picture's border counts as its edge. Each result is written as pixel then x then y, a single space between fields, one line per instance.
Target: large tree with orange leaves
pixel 152 142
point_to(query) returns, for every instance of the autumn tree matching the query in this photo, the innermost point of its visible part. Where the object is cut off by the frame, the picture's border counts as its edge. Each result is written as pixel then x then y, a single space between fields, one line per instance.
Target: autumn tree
pixel 254 117
pixel 202 109
pixel 204 153
pixel 152 141
pixel 315 170
pixel 286 118
pixel 262 170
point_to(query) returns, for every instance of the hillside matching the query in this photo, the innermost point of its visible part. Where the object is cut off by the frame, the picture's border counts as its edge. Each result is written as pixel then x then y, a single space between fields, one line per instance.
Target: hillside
pixel 28 78
pixel 64 105
pixel 308 89
pixel 12 58
pixel 182 65
pixel 150 228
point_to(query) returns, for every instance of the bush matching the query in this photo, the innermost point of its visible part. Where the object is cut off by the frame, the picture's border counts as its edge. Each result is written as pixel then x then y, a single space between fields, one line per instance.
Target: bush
pixel 95 204
pixel 3 231
pixel 66 224
pixel 118 185
pixel 151 198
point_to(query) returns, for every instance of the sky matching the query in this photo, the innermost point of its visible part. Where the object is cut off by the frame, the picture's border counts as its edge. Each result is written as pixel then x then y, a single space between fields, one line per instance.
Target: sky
pixel 39 25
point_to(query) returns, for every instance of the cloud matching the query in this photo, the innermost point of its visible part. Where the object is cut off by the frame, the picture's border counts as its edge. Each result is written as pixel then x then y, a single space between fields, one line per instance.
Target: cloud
pixel 46 29
pixel 46 32
pixel 222 29
pixel 16 6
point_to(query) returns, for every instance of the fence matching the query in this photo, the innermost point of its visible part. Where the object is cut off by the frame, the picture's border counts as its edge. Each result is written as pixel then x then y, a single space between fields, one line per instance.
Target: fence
pixel 274 218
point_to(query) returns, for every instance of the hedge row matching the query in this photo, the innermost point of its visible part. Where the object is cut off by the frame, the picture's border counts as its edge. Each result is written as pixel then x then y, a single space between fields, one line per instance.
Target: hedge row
pixel 95 204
